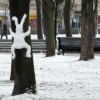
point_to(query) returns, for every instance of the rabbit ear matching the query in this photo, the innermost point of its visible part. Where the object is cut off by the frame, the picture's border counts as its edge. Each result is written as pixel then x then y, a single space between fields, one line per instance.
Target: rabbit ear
pixel 23 19
pixel 15 19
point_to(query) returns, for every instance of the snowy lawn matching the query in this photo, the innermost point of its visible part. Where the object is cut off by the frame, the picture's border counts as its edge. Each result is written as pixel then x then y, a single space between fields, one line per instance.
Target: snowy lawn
pixel 59 35
pixel 58 78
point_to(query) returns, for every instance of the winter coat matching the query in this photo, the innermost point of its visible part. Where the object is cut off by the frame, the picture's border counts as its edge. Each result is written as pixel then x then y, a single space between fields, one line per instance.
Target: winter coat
pixel 4 29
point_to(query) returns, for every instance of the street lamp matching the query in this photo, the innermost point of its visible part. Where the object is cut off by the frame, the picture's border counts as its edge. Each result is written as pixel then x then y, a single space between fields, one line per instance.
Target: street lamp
pixel 5 10
pixel 55 24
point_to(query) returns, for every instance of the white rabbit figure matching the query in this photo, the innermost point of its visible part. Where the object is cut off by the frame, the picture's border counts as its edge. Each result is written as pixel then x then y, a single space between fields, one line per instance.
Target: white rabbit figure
pixel 19 37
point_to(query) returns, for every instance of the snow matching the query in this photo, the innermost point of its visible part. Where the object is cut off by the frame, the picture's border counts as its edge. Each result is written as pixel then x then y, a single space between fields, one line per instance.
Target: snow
pixel 58 78
pixel 34 36
pixel 19 37
pixel 74 35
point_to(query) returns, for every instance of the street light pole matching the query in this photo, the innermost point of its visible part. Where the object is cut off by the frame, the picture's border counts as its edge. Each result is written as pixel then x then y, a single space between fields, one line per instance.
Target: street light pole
pixel 5 14
pixel 5 11
pixel 55 24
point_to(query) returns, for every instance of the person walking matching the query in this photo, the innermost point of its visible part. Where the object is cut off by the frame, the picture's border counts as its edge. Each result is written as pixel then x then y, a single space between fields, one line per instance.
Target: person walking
pixel 73 24
pixel 4 31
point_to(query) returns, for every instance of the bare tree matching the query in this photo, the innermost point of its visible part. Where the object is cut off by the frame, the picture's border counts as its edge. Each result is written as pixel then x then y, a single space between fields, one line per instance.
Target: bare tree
pixel 48 19
pixel 67 10
pixel 87 51
pixel 39 20
pixel 23 67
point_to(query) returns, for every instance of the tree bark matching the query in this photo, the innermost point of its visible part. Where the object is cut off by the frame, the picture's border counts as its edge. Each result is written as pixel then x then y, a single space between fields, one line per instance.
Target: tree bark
pixel 24 74
pixel 12 71
pixel 87 51
pixel 39 20
pixel 67 10
pixel 48 18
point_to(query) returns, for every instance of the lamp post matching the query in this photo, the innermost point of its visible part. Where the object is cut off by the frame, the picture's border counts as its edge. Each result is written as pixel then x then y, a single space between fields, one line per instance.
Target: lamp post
pixel 55 23
pixel 5 14
pixel 5 11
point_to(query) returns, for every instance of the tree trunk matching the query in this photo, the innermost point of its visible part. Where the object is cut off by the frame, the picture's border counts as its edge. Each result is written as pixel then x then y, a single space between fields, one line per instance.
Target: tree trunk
pixel 39 20
pixel 48 18
pixel 67 10
pixel 24 74
pixel 12 71
pixel 87 51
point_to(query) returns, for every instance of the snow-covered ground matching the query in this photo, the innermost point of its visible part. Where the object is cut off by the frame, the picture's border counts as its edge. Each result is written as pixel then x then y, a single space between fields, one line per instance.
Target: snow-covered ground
pixel 58 78
pixel 59 35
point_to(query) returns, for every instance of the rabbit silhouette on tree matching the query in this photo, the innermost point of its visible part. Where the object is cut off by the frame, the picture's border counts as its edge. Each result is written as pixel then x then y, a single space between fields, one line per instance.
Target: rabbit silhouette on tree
pixel 19 37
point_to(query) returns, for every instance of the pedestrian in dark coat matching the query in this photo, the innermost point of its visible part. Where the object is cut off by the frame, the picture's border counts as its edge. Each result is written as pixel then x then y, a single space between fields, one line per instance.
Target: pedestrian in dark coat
pixel 73 24
pixel 4 31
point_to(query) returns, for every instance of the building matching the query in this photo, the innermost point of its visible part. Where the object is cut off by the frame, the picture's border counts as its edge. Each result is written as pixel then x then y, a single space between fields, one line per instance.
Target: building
pixel 4 12
pixel 75 13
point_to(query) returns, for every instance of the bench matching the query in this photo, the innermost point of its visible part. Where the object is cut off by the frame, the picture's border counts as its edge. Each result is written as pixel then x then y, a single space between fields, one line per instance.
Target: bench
pixel 37 45
pixel 74 44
